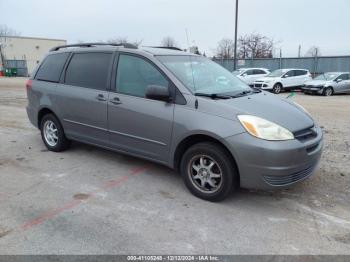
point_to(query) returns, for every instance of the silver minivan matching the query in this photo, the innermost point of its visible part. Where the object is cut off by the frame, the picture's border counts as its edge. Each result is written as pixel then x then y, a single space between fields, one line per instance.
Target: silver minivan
pixel 175 108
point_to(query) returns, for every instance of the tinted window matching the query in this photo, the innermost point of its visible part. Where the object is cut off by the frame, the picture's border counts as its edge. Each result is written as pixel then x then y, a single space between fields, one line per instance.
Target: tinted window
pixel 134 74
pixel 249 72
pixel 259 72
pixel 344 77
pixel 51 69
pixel 290 73
pixel 300 72
pixel 89 70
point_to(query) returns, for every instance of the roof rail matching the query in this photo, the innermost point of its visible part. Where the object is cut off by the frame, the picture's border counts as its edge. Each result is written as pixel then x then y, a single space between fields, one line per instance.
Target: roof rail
pixel 168 47
pixel 126 45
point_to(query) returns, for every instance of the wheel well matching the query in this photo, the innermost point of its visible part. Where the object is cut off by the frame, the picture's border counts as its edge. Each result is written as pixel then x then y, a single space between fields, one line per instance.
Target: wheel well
pixel 42 113
pixel 195 139
pixel 278 83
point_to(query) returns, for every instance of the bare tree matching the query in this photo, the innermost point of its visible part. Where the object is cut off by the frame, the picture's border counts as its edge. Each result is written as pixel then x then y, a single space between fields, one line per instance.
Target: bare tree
pixel 313 51
pixel 255 46
pixel 225 48
pixel 7 31
pixel 124 40
pixel 168 41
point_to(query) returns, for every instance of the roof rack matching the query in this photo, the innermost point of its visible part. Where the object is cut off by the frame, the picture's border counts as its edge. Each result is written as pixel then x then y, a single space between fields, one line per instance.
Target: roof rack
pixel 125 45
pixel 168 47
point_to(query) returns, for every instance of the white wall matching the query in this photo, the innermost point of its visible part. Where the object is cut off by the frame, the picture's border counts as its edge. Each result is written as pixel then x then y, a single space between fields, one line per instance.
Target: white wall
pixel 26 48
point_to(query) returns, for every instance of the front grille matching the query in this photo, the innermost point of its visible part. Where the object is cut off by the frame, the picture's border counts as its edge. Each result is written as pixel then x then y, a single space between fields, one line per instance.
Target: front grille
pixel 289 179
pixel 305 134
pixel 258 85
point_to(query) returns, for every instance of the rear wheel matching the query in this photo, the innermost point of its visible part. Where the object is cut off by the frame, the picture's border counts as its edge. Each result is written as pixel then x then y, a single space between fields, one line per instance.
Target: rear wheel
pixel 328 91
pixel 52 134
pixel 208 172
pixel 277 88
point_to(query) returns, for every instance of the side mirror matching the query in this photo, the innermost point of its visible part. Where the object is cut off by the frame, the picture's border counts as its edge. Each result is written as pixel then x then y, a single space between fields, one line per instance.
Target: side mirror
pixel 285 76
pixel 244 75
pixel 338 80
pixel 158 93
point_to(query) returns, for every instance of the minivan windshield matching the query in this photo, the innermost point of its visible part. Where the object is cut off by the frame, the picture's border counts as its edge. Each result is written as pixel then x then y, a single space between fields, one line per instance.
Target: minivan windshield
pixel 327 76
pixel 276 73
pixel 204 76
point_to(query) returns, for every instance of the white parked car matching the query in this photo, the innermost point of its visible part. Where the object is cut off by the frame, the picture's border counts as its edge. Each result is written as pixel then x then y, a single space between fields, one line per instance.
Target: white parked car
pixel 283 79
pixel 249 75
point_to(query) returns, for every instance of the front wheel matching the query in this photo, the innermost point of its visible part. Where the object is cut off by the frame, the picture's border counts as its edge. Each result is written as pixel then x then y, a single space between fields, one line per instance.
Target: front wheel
pixel 208 172
pixel 277 89
pixel 328 91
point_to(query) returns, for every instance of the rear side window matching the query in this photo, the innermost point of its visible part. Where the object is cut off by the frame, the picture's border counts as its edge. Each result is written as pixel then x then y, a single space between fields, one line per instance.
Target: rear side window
pixel 51 68
pixel 259 72
pixel 300 72
pixel 290 73
pixel 89 70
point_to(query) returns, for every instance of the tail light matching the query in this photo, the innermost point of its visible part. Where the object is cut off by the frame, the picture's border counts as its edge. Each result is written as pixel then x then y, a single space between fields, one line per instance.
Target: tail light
pixel 29 84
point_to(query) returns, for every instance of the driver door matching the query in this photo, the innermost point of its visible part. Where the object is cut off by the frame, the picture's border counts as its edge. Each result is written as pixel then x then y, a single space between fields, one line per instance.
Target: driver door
pixel 139 125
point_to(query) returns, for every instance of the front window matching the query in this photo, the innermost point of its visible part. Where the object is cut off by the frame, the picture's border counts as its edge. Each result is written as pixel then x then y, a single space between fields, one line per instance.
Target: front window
pixel 277 73
pixel 327 77
pixel 202 75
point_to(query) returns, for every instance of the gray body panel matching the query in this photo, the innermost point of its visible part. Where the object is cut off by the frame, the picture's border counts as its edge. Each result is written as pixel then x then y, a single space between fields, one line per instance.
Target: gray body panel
pixel 318 86
pixel 154 129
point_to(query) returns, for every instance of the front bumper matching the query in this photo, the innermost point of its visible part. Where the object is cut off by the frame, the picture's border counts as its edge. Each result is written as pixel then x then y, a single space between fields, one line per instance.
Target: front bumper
pixel 313 90
pixel 268 165
pixel 262 85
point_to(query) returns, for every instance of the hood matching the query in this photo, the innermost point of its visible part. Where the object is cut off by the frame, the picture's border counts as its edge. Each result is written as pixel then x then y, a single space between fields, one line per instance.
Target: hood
pixel 316 82
pixel 264 105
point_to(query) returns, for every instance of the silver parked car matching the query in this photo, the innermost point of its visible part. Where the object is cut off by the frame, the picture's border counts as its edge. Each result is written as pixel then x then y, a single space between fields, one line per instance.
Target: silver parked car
pixel 328 84
pixel 174 108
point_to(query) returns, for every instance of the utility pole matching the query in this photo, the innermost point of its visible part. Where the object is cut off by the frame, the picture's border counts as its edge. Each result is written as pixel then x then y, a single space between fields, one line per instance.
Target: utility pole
pixel 236 32
pixel 299 52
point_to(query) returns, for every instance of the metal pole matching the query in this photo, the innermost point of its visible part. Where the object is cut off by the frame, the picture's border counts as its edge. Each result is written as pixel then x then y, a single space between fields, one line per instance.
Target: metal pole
pixel 236 32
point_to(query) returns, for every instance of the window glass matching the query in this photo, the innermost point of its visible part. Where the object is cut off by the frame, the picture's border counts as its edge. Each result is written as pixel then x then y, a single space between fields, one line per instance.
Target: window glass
pixel 290 73
pixel 249 72
pixel 134 74
pixel 89 70
pixel 300 72
pixel 344 77
pixel 51 68
pixel 259 72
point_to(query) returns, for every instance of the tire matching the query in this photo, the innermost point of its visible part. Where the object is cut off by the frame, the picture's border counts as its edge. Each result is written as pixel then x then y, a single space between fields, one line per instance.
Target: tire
pixel 328 91
pixel 277 88
pixel 52 134
pixel 212 165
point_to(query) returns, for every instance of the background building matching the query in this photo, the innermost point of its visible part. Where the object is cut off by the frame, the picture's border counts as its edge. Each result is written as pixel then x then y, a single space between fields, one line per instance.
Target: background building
pixel 24 53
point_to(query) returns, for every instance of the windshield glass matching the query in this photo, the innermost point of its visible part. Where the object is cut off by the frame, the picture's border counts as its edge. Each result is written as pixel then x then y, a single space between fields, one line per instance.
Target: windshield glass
pixel 237 72
pixel 202 75
pixel 327 76
pixel 277 73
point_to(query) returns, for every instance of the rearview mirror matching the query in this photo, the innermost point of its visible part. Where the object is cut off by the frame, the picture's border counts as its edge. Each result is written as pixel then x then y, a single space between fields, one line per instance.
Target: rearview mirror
pixel 158 93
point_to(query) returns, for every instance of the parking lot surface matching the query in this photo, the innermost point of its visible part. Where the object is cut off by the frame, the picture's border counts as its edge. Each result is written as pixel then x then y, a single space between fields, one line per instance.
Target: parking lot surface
pixel 92 201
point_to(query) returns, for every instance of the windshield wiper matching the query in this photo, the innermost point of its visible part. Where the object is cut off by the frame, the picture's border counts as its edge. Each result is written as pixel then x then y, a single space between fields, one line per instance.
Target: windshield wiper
pixel 244 93
pixel 213 96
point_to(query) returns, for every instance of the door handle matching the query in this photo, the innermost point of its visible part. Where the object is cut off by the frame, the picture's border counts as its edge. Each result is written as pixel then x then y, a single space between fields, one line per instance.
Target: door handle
pixel 100 97
pixel 115 100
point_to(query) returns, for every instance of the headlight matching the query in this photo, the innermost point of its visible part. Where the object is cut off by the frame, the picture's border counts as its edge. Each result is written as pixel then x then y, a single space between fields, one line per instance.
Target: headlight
pixel 302 108
pixel 264 129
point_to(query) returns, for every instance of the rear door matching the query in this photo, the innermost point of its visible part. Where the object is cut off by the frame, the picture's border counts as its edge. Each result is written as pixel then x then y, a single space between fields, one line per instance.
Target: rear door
pixel 139 125
pixel 82 96
pixel 301 77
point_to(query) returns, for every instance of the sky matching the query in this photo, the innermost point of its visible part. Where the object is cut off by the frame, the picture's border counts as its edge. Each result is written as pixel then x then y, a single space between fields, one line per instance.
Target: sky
pixel 322 23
